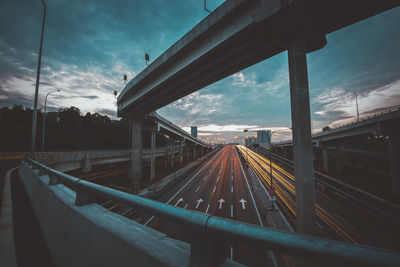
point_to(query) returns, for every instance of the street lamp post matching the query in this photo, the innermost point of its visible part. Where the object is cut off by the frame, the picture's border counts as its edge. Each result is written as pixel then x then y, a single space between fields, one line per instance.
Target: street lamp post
pixel 44 117
pixel 355 93
pixel 34 117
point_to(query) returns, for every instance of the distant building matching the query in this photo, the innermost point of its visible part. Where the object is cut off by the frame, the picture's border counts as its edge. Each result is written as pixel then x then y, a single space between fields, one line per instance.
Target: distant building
pixel 263 138
pixel 193 131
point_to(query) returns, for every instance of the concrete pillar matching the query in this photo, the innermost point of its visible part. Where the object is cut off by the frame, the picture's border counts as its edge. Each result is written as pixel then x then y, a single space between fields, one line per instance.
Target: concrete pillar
pixel 302 144
pixel 152 154
pixel 187 152
pixel 181 152
pixel 172 154
pixel 87 166
pixel 136 156
pixel 394 154
pixel 325 158
pixel 194 152
pixel 338 159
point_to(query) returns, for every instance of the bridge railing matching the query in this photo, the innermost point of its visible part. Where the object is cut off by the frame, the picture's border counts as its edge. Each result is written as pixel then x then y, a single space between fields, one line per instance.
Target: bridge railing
pixel 208 232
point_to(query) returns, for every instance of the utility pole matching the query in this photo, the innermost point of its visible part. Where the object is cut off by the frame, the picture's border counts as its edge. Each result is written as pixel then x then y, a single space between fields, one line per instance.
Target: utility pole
pixel 34 117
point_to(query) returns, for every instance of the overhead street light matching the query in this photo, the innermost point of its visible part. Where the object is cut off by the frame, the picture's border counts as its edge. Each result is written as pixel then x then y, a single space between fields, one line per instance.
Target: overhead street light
pixel 44 116
pixel 34 117
pixel 355 93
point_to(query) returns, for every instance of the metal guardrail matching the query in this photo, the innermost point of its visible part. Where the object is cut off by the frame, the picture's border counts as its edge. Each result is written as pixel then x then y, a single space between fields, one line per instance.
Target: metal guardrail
pixel 208 232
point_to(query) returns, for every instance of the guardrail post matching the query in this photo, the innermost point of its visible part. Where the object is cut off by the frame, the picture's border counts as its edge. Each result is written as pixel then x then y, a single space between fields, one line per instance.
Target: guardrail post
pixel 41 171
pixel 83 197
pixel 53 180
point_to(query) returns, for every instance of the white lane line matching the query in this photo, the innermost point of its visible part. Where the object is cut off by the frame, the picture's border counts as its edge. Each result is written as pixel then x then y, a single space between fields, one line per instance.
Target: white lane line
pixel 151 218
pixel 320 226
pixel 186 205
pixel 191 179
pixel 207 208
pixel 205 177
pixel 197 189
pixel 251 194
pixel 232 189
pixel 231 211
pixel 215 187
pixel 231 253
pixel 231 178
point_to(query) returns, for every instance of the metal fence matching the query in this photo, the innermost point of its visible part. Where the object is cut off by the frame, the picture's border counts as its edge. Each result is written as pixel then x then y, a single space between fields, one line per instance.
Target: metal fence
pixel 209 232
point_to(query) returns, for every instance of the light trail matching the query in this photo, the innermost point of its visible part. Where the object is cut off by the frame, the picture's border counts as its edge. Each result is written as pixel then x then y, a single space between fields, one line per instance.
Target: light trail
pixel 285 191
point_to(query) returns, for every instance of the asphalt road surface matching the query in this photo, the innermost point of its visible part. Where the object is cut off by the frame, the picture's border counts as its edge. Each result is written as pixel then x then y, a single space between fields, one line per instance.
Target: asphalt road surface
pixel 219 187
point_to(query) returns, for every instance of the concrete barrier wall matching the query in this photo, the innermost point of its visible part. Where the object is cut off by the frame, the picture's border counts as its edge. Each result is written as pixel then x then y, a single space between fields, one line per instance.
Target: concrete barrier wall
pixel 68 161
pixel 91 235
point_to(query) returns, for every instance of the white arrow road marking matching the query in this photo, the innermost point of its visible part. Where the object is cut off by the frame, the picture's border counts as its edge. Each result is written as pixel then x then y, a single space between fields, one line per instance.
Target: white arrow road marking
pixel 242 201
pixel 179 201
pixel 197 189
pixel 220 203
pixel 198 203
pixel 231 211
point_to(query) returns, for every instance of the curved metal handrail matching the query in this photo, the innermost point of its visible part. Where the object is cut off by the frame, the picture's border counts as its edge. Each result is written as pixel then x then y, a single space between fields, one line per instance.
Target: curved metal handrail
pixel 207 227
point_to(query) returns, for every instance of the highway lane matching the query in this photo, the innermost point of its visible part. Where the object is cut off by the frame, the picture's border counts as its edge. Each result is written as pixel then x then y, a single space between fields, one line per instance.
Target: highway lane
pixel 220 188
pixel 338 217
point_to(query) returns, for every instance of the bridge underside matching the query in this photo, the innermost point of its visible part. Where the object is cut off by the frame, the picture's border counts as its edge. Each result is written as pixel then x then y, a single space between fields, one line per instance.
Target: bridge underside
pixel 236 35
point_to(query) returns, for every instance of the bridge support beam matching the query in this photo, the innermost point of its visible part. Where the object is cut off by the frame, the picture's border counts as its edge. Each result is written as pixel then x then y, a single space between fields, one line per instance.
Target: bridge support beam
pixel 338 159
pixel 152 154
pixel 136 156
pixel 302 144
pixel 394 153
pixel 181 151
pixel 87 166
pixel 172 154
pixel 325 158
pixel 187 152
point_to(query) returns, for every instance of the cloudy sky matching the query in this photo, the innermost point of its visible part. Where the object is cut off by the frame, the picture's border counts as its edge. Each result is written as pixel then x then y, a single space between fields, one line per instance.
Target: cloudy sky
pixel 89 45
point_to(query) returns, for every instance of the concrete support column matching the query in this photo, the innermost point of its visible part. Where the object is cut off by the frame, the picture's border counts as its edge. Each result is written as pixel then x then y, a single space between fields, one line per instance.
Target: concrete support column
pixel 194 153
pixel 172 154
pixel 338 159
pixel 181 152
pixel 325 158
pixel 394 154
pixel 187 152
pixel 302 145
pixel 87 166
pixel 136 156
pixel 152 154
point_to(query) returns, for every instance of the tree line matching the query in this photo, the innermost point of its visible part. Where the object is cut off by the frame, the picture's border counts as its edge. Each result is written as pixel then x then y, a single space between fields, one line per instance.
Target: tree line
pixel 71 130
